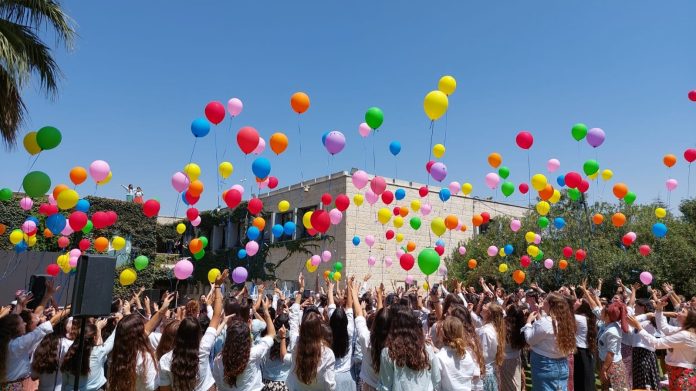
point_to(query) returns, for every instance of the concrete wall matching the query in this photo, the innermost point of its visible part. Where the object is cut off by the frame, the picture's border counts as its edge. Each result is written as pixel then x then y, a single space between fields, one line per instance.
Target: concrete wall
pixel 16 269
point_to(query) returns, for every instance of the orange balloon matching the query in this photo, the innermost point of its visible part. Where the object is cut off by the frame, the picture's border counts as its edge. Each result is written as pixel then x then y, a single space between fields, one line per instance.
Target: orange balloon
pixel 563 264
pixel 547 192
pixel 451 222
pixel 472 263
pixel 195 245
pixel 78 175
pixel 58 189
pixel 618 219
pixel 195 188
pixel 403 211
pixel 620 190
pixel 477 220
pixel 259 223
pixel 597 219
pixel 47 233
pixel 411 246
pixel 518 276
pixel 494 159
pixel 463 228
pixel 3 228
pixel 299 102
pixel 326 274
pixel 101 244
pixel 279 142
pixel 669 160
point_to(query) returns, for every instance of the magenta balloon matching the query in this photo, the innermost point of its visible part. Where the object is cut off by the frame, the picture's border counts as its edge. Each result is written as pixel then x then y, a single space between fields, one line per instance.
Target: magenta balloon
pixel 239 275
pixel 26 203
pixel 260 147
pixel 326 256
pixel 364 129
pixel 335 142
pixel 515 225
pixel 196 222
pixel 438 171
pixel 360 179
pixel 234 106
pixel 183 269
pixel 492 251
pixel 180 182
pixel 378 185
pixel 399 253
pixel 99 170
pixel 252 248
pixel 462 250
pixel 595 137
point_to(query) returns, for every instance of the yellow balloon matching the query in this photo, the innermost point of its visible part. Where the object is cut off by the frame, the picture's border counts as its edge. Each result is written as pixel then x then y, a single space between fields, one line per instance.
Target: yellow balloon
pixel 307 220
pixel 358 199
pixel 398 221
pixel 555 197
pixel 66 268
pixel 337 276
pixel 435 104
pixel 533 250
pixel 660 213
pixel 447 84
pixel 118 243
pixel 529 236
pixel 67 199
pixel 415 205
pixel 607 174
pixel 213 274
pixel 543 208
pixel 62 260
pixel 467 188
pixel 310 268
pixel 539 182
pixel 31 241
pixel 193 171
pixel 283 206
pixel 438 150
pixel 399 237
pixel 106 180
pixel 127 277
pixel 180 228
pixel 438 226
pixel 383 215
pixel 501 252
pixel 30 143
pixel 16 236
pixel 225 169
pixel 503 267
pixel 593 176
pixel 426 286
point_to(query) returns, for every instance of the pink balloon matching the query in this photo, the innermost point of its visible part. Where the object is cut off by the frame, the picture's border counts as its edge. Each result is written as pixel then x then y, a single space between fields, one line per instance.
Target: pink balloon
pixel 180 182
pixel 364 130
pixel 51 200
pixel 492 251
pixel 553 164
pixel 72 261
pixel 515 225
pixel 671 184
pixel 492 180
pixel 75 253
pixel 371 197
pixel 462 250
pixel 196 222
pixel 399 253
pixel 537 238
pixel 454 187
pixel 548 263
pixel 239 188
pixel 26 203
pixel 646 278
pixel 335 216
pixel 360 179
pixel 234 106
pixel 67 230
pixel 183 269
pixel 388 261
pixel 326 256
pixel 370 240
pixel 99 170
pixel 442 270
pixel 29 226
pixel 252 247
pixel 371 260
pixel 260 147
pixel 438 171
pixel 378 185
pixel 409 279
pixel 425 209
pixel 315 260
pixel 632 235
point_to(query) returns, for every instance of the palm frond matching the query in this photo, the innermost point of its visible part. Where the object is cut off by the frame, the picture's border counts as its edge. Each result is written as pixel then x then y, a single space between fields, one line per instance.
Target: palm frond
pixel 12 109
pixel 38 14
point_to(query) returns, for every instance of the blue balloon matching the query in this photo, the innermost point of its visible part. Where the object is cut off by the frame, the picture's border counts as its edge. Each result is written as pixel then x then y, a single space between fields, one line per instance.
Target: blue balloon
pixel 289 228
pixel 440 242
pixel 400 194
pixel 21 247
pixel 261 167
pixel 356 240
pixel 659 230
pixel 82 205
pixel 323 138
pixel 559 222
pixel 395 147
pixel 253 233
pixel 445 195
pixel 508 249
pixel 241 254
pixel 561 180
pixel 183 198
pixel 55 223
pixel 200 127
pixel 277 230
pixel 34 219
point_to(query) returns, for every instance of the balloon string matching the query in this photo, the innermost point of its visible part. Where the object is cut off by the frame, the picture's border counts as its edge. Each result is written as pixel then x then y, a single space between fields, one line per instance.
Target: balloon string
pixel 217 164
pixel 529 178
pixel 364 153
pixel 19 187
pixel 374 159
pixel 688 182
pixel 229 130
pixel 445 142
pixel 299 133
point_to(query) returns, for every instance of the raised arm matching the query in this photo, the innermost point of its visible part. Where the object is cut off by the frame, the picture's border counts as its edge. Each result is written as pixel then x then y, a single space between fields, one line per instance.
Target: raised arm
pixel 50 290
pixel 270 327
pixel 353 290
pixel 151 324
pixel 217 299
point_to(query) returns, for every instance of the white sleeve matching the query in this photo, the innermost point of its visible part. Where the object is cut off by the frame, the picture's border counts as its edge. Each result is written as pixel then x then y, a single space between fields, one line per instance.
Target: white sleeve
pixel 461 296
pixel 207 341
pixel 386 372
pixel 363 288
pixel 209 311
pixel 259 350
pixel 104 350
pixel 534 334
pixel 28 342
pixel 663 326
pixel 149 374
pixel 331 308
pixel 165 375
pixel 351 323
pixel 363 332
pixel 294 325
pixel 329 363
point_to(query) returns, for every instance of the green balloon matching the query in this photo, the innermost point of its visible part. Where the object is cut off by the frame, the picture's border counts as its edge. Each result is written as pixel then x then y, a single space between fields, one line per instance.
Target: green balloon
pixel 331 276
pixel 338 266
pixel 579 131
pixel 539 256
pixel 590 167
pixel 141 262
pixel 507 188
pixel 428 261
pixel 543 222
pixel 203 240
pixel 574 194
pixel 5 194
pixel 88 227
pixel 48 137
pixel 629 198
pixel 197 256
pixel 415 222
pixel 36 184
pixel 374 117
pixel 504 172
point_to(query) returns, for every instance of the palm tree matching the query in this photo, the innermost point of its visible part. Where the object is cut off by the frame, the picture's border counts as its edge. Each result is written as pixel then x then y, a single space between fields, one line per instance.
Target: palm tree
pixel 23 54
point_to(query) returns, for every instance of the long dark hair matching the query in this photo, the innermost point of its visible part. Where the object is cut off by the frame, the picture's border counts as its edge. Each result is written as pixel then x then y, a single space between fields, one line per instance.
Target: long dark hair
pixel 470 336
pixel 514 321
pixel 339 331
pixel 46 356
pixel 282 320
pixel 585 310
pixel 184 367
pixel 378 336
pixel 307 353
pixel 166 343
pixel 70 360
pixel 235 351
pixel 406 341
pixel 9 330
pixel 129 341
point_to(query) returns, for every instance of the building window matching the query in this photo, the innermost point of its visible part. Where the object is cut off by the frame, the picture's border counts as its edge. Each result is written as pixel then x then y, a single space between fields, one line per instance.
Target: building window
pixel 282 218
pixel 301 231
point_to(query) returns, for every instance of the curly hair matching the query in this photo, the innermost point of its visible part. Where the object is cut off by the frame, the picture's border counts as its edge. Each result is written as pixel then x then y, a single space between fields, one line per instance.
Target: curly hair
pixel 406 342
pixel 378 336
pixel 129 342
pixel 166 343
pixel 307 353
pixel 9 330
pixel 339 331
pixel 453 335
pixel 193 309
pixel 563 323
pixel 472 339
pixel 282 320
pixel 46 356
pixel 514 321
pixel 585 310
pixel 235 351
pixel 184 367
pixel 70 360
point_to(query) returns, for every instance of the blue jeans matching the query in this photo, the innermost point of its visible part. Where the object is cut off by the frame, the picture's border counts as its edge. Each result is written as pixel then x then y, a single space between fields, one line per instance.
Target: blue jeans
pixel 549 374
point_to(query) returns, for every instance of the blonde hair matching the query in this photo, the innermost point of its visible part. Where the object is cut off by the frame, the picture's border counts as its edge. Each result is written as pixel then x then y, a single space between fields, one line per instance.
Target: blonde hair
pixel 453 335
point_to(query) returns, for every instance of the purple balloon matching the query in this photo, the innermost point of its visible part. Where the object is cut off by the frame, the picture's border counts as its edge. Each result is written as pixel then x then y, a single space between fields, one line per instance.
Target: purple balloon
pixel 438 171
pixel 239 275
pixel 595 137
pixel 335 142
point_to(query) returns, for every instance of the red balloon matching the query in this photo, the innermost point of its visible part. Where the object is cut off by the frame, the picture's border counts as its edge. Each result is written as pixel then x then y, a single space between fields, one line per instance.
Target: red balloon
pixel 320 220
pixel 326 199
pixel 428 165
pixel 690 155
pixel 191 199
pixel 423 191
pixel 151 208
pixel 524 188
pixel 389 234
pixel 312 231
pixel 440 250
pixel 215 112
pixel 342 202
pixel 191 214
pixel 692 95
pixel 584 186
pixel 247 139
pixel 626 240
pixel 644 250
pixel 580 255
pixel 48 209
pixel 77 220
pixel 573 179
pixel 396 211
pixel 525 261
pixel 52 269
pixel 406 261
pixel 272 182
pixel 100 220
pixel 112 217
pixel 524 140
pixel 387 197
pixel 63 242
pixel 486 217
pixel 255 206
pixel 232 198
pixel 567 251
pixel 84 244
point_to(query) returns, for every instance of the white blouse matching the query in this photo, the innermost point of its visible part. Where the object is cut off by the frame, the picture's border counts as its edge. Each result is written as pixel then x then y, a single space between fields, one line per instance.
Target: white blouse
pixel 367 373
pixel 205 378
pixel 343 364
pixel 581 331
pixel 681 343
pixel 541 338
pixel 456 373
pixel 489 346
pixel 250 378
pixel 20 349
pixel 326 374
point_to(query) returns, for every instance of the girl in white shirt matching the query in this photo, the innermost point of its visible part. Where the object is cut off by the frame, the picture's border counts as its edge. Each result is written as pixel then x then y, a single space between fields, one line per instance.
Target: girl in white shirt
pixel 314 362
pixel 371 340
pixel 342 330
pixel 93 358
pixel 644 359
pixel 45 363
pixel 492 336
pixel 457 365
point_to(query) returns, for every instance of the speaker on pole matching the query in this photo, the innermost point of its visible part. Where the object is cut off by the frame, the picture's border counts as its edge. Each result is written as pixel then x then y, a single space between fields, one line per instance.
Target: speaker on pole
pixel 94 285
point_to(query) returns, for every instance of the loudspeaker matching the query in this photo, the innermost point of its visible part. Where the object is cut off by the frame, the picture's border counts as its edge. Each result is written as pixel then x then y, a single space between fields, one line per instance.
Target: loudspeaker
pixel 37 287
pixel 94 286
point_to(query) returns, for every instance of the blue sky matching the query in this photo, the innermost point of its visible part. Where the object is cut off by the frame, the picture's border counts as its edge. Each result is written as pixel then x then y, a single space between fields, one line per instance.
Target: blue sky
pixel 142 71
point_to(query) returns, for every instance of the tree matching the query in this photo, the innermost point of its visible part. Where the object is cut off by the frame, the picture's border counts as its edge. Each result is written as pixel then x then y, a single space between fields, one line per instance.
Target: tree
pixel 23 54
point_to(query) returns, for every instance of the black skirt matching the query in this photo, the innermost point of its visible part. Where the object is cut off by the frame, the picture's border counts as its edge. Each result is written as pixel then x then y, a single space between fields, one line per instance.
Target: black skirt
pixel 584 370
pixel 645 369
